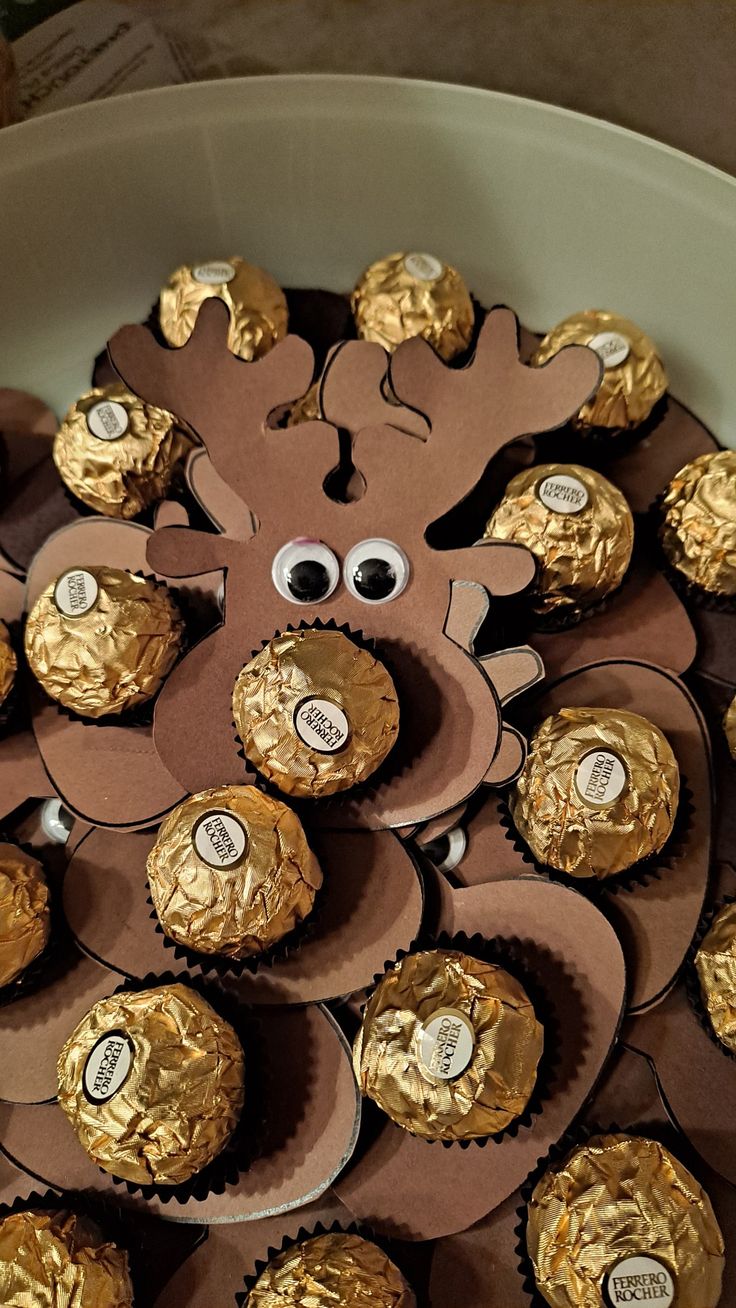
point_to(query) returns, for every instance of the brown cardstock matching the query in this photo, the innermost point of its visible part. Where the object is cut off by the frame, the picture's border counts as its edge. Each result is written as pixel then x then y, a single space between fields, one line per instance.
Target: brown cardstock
pixel 34 502
pixel 22 773
pixel 642 473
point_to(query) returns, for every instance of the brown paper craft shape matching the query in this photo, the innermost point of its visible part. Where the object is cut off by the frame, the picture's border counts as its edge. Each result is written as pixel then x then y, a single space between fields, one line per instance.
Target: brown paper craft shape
pixel 444 693
pixel 416 1190
pixel 643 472
pixel 33 503
pixel 715 697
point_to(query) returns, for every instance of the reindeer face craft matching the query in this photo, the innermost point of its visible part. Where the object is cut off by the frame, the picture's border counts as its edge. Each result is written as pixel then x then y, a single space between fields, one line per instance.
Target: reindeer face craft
pixel 292 555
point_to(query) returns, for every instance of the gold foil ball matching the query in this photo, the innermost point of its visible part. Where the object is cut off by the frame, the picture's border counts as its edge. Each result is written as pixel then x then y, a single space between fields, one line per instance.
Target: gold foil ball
pixel 448 1046
pixel 698 528
pixel 8 663
pixel 577 525
pixel 729 727
pixel 101 641
pixel 619 1208
pixel 633 379
pixel 715 962
pixel 153 1084
pixel 258 311
pixel 315 712
pixel 407 295
pixel 231 872
pixel 598 792
pixel 308 408
pixel 336 1270
pixel 25 915
pixel 60 1260
pixel 116 453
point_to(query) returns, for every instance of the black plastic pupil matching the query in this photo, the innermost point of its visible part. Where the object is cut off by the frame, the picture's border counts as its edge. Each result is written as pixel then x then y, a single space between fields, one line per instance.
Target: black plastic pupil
pixel 308 580
pixel 374 579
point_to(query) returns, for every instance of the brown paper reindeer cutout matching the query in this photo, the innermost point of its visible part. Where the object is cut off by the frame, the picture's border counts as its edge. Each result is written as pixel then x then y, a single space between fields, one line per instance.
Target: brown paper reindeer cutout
pixel 451 736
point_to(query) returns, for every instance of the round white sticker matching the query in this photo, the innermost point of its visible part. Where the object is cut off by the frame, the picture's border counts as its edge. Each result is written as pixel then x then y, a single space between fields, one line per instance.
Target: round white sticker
pixel 611 347
pixel 108 1066
pixel 75 592
pixel 640 1279
pixel 562 493
pixel 108 420
pixel 600 778
pixel 321 725
pixel 219 838
pixel 424 267
pixel 446 1043
pixel 213 274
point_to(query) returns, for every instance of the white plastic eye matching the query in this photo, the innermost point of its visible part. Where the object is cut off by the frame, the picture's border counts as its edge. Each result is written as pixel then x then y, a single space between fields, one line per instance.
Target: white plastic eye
pixel 305 571
pixel 376 571
pixel 448 850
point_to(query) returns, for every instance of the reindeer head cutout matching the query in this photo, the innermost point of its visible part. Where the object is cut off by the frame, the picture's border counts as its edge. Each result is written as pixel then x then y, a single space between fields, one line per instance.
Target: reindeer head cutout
pixel 424 620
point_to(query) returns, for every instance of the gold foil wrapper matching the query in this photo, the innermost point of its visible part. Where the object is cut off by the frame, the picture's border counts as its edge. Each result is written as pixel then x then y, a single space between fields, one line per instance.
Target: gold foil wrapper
pixel 576 524
pixel 698 529
pixel 308 408
pixel 106 656
pixel 633 379
pixel 118 475
pixel 407 295
pixel 8 664
pixel 448 1046
pixel 729 727
pixel 315 712
pixel 231 872
pixel 258 311
pixel 715 963
pixel 621 1197
pixel 57 1259
pixel 25 915
pixel 329 1270
pixel 598 792
pixel 153 1084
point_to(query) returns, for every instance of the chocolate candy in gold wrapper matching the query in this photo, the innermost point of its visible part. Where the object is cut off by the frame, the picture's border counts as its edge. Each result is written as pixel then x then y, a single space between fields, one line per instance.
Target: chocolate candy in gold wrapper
pixel 153 1084
pixel 729 727
pixel 698 527
pixel 633 378
pixel 258 311
pixel 335 1270
pixel 55 1259
pixel 576 524
pixel 8 664
pixel 308 408
pixel 449 1046
pixel 621 1221
pixel 101 641
pixel 25 915
pixel 231 872
pixel 598 792
pixel 315 712
pixel 407 295
pixel 715 962
pixel 116 453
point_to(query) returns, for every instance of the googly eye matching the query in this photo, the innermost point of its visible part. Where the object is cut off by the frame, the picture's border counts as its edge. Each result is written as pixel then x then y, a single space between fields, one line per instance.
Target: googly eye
pixel 305 571
pixel 448 850
pixel 376 571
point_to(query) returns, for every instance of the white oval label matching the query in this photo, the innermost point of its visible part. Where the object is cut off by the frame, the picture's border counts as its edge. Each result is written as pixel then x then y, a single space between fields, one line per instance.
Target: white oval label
pixel 321 725
pixel 219 838
pixel 424 267
pixel 562 493
pixel 600 778
pixel 611 347
pixel 446 1044
pixel 108 1066
pixel 75 592
pixel 213 274
pixel 108 420
pixel 640 1279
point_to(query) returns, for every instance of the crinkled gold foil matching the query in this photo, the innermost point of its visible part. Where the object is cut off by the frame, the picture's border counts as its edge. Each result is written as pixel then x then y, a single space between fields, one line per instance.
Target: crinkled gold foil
pixel 119 477
pixel 629 390
pixel 391 303
pixel 698 529
pixel 583 553
pixel 8 663
pixel 60 1260
pixel 330 1270
pixel 715 962
pixel 495 1085
pixel 565 832
pixel 258 311
pixel 615 1197
pixel 256 896
pixel 25 916
pixel 112 657
pixel 308 408
pixel 729 726
pixel 183 1094
pixel 299 667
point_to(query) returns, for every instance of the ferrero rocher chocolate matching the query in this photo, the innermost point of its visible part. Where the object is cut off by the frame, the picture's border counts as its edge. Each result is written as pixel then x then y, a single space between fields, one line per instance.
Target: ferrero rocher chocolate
pixel 407 295
pixel 101 641
pixel 153 1084
pixel 576 524
pixel 633 378
pixel 598 792
pixel 729 726
pixel 25 916
pixel 116 453
pixel 621 1221
pixel 448 1046
pixel 231 872
pixel 258 311
pixel 315 712
pixel 8 664
pixel 60 1260
pixel 715 962
pixel 306 409
pixel 698 529
pixel 334 1270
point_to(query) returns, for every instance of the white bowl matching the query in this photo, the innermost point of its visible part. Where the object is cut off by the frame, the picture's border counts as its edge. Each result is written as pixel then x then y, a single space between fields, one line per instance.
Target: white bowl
pixel 313 177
